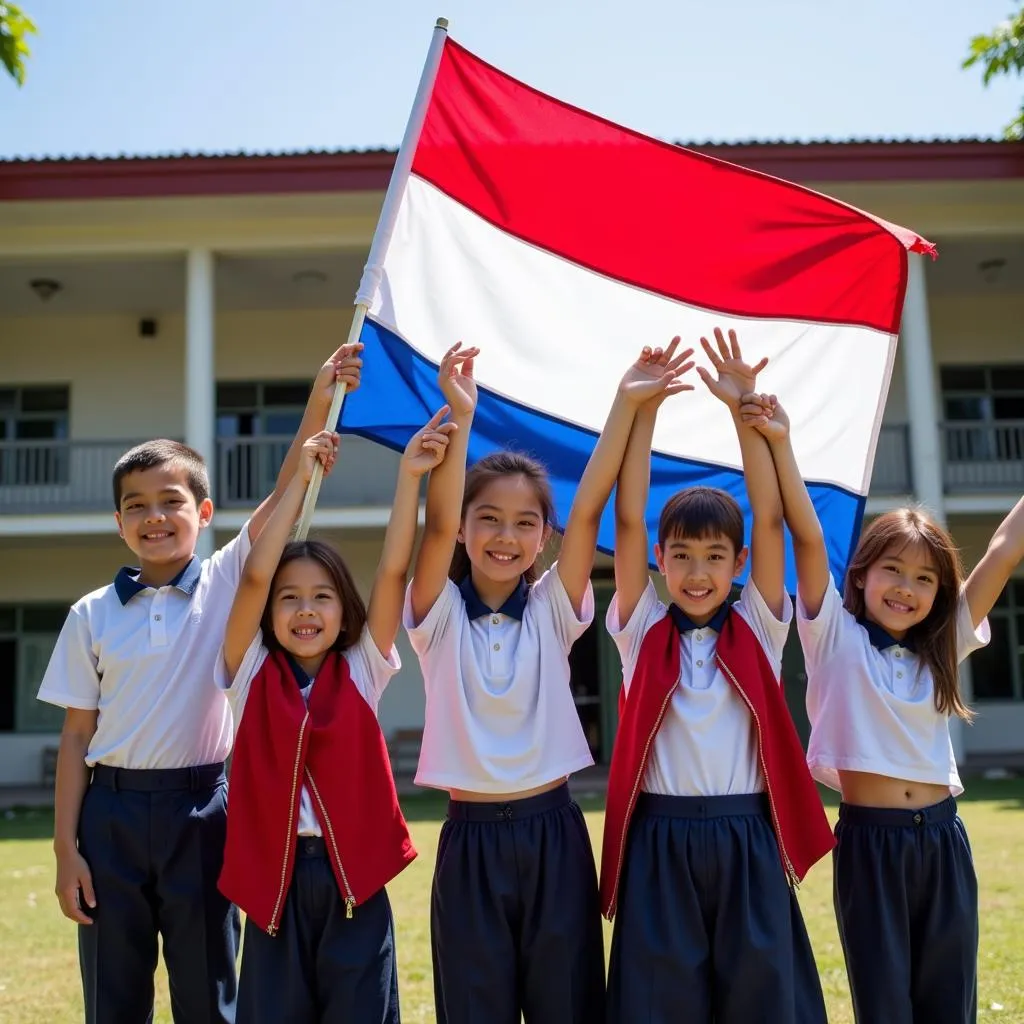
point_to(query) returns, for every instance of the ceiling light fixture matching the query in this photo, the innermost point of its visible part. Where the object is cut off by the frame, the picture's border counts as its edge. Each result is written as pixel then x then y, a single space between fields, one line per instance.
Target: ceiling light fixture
pixel 45 287
pixel 991 270
pixel 309 278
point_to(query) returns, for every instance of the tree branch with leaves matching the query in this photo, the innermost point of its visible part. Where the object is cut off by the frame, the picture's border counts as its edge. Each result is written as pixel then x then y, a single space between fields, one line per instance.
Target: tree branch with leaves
pixel 1002 53
pixel 15 27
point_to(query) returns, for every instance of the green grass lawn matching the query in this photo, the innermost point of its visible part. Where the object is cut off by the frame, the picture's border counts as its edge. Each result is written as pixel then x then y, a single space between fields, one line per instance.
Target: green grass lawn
pixel 39 981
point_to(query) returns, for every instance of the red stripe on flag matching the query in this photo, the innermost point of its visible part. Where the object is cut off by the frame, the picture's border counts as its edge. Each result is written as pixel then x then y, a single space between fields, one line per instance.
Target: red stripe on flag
pixel 651 214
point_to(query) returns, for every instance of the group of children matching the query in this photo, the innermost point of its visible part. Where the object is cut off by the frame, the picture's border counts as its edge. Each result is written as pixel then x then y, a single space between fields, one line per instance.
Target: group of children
pixel 712 815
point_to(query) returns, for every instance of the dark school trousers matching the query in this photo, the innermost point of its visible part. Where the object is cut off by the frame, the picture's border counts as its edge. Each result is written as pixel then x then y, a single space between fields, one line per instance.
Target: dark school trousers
pixel 154 842
pixel 707 926
pixel 321 967
pixel 515 918
pixel 906 899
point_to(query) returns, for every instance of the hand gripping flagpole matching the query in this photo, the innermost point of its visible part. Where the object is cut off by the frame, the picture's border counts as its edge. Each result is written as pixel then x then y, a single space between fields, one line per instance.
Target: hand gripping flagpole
pixel 373 270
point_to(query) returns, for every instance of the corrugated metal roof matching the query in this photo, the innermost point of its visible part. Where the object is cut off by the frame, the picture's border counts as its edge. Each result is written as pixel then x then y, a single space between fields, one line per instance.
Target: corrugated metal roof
pixel 383 150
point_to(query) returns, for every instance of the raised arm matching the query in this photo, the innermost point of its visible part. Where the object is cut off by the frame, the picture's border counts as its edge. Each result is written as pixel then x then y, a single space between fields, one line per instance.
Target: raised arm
pixel 1005 550
pixel 631 540
pixel 447 484
pixel 344 367
pixel 654 374
pixel 764 413
pixel 425 451
pixel 767 543
pixel 254 586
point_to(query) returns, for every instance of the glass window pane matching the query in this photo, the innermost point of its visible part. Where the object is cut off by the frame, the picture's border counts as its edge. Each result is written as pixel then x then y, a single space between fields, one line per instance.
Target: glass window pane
pixel 8 618
pixel 1008 407
pixel 8 399
pixel 275 423
pixel 294 393
pixel 44 399
pixel 43 618
pixel 38 430
pixel 963 378
pixel 973 407
pixel 1017 588
pixel 236 396
pixel 1003 600
pixel 1008 378
pixel 992 666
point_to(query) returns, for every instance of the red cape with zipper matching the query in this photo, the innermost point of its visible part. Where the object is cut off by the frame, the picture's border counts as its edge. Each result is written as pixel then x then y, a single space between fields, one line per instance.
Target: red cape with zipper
pixel 336 749
pixel 801 828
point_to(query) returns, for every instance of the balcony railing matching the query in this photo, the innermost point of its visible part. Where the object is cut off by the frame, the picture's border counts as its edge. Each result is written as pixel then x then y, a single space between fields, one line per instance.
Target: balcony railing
pixel 46 477
pixel 40 477
pixel 983 456
pixel 891 472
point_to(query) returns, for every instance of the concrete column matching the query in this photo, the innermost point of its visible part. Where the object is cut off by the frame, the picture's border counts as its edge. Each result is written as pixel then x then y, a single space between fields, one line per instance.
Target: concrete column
pixel 924 418
pixel 200 393
pixel 922 401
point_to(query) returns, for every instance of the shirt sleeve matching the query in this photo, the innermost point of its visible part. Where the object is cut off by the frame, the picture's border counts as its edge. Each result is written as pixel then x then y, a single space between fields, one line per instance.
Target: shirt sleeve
pixel 238 688
pixel 629 636
pixel 72 678
pixel 225 566
pixel 436 622
pixel 969 639
pixel 549 591
pixel 771 632
pixel 370 670
pixel 821 635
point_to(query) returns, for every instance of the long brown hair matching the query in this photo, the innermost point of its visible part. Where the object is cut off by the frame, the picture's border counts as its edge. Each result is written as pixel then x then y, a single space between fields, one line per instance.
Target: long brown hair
pixel 935 637
pixel 479 475
pixel 353 611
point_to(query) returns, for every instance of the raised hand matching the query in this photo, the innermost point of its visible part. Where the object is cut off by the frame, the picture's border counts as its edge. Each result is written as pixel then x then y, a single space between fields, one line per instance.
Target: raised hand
pixel 344 367
pixel 428 447
pixel 765 415
pixel 322 448
pixel 455 377
pixel 735 377
pixel 655 375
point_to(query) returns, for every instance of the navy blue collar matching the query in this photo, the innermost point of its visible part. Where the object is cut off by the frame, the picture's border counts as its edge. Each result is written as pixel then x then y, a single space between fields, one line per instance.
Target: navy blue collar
pixel 514 606
pixel 684 623
pixel 127 585
pixel 302 677
pixel 881 640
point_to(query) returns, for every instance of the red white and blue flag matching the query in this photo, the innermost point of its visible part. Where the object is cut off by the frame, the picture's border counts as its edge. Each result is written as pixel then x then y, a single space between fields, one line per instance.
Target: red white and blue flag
pixel 560 243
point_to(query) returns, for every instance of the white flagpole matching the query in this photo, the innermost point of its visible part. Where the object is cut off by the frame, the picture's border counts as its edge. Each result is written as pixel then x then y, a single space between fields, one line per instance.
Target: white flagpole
pixel 373 270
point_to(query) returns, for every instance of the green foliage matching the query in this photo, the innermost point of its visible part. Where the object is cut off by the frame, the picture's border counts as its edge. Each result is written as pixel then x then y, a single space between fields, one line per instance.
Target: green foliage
pixel 15 26
pixel 1002 53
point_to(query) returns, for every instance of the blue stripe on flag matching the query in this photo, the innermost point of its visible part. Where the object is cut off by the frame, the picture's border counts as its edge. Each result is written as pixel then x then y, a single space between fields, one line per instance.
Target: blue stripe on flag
pixel 399 393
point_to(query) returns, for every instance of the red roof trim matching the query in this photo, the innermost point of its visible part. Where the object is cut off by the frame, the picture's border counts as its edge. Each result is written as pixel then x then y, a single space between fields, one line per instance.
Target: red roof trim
pixel 136 177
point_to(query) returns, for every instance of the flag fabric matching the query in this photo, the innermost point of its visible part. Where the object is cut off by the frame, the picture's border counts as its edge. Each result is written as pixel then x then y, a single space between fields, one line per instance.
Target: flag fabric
pixel 560 244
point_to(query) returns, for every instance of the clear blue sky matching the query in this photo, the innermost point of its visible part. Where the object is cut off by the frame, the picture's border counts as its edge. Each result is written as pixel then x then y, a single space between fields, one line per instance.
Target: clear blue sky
pixel 151 76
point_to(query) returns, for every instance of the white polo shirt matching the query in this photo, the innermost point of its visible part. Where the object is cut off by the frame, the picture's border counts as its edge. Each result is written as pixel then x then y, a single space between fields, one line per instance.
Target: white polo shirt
pixel 370 672
pixel 145 658
pixel 707 743
pixel 500 716
pixel 871 700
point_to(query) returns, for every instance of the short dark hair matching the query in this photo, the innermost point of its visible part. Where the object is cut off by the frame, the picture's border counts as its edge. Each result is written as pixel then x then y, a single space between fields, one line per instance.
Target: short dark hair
pixel 353 610
pixel 162 452
pixel 699 513
pixel 492 467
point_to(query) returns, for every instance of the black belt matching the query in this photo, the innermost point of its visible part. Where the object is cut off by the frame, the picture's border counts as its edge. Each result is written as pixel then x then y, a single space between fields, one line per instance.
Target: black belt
pixel 156 780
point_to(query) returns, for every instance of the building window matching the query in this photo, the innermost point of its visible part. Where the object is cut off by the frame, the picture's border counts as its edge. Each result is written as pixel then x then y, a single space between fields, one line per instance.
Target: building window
pixel 997 671
pixel 984 412
pixel 27 637
pixel 33 432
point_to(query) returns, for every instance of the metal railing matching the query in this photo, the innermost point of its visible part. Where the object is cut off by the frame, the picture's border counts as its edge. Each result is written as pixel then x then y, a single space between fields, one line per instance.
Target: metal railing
pixel 47 477
pixel 983 456
pixel 247 467
pixel 891 472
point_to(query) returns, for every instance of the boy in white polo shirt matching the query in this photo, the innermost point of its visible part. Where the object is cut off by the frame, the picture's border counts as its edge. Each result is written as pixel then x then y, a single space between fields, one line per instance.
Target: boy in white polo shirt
pixel 141 794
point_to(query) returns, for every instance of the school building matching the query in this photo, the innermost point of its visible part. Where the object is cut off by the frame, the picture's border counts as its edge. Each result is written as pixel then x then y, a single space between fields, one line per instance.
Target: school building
pixel 195 296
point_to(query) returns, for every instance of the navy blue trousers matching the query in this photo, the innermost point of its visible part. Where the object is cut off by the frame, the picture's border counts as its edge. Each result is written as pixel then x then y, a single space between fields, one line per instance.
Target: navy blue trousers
pixel 320 967
pixel 707 927
pixel 154 842
pixel 515 917
pixel 906 899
